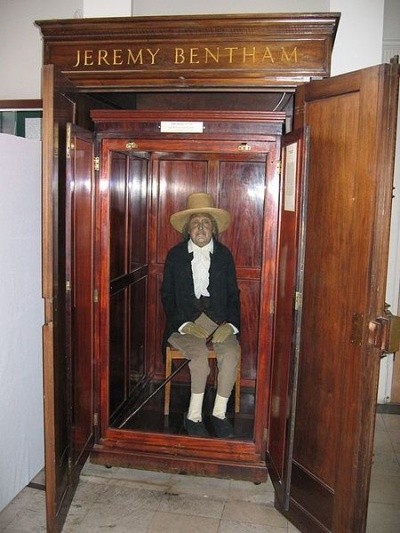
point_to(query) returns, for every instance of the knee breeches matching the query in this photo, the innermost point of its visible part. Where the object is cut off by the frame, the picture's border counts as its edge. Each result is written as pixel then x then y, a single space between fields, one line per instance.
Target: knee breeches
pixel 227 352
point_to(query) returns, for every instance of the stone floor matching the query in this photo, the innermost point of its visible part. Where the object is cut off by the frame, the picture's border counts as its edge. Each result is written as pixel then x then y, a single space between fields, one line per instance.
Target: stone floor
pixel 123 500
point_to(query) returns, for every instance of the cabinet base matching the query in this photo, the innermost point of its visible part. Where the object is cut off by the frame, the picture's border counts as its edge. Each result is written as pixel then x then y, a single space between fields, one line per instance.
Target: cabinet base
pixel 257 473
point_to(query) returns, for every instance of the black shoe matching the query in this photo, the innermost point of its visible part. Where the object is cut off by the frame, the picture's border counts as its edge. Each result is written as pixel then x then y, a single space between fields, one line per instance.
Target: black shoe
pixel 222 427
pixel 195 429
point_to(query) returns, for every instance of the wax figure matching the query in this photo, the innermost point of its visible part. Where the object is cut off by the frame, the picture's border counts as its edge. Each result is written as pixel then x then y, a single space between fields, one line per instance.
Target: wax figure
pixel 200 296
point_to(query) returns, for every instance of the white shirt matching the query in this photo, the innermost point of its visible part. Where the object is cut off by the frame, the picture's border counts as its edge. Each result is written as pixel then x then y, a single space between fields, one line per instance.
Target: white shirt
pixel 201 267
pixel 201 271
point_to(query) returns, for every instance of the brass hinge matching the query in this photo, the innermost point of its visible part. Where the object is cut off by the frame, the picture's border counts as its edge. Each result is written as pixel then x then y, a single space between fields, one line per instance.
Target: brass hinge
pixel 266 434
pixel 69 146
pixel 96 296
pixel 95 419
pixel 298 300
pixel 279 167
pixel 96 163
pixel 271 307
pixel 68 286
pixel 131 145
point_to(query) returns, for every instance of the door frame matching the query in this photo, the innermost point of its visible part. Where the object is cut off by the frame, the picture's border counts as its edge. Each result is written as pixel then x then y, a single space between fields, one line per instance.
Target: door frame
pixel 268 143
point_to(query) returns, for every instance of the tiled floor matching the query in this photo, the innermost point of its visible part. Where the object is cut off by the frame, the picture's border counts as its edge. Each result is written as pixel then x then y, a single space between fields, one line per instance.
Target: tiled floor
pixel 123 500
pixel 384 495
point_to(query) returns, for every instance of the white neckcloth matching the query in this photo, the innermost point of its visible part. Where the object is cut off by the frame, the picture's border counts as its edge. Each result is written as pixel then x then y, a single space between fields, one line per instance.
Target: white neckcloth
pixel 201 266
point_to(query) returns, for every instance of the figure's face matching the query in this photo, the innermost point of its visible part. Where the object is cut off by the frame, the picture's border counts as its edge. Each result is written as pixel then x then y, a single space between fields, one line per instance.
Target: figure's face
pixel 200 229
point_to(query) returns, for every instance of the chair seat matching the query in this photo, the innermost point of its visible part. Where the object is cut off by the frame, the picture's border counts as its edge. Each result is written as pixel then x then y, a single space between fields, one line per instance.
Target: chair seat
pixel 174 353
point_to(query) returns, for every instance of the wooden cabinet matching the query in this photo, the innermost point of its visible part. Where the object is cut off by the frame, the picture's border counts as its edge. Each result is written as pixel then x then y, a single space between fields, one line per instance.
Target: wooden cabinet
pixel 305 170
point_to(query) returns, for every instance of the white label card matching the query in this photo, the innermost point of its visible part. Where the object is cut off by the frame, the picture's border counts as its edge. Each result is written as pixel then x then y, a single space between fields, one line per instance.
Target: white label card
pixel 290 177
pixel 181 127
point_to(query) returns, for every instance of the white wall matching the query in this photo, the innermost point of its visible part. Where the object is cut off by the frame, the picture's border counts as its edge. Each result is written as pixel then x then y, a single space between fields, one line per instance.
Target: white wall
pixel 360 35
pixel 21 312
pixel 184 7
pixel 21 43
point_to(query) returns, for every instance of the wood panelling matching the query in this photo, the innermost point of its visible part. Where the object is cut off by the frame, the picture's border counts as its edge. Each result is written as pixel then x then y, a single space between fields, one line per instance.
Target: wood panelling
pixel 218 51
pixel 175 176
pixel 117 376
pixel 249 328
pixel 137 211
pixel 311 494
pixel 348 218
pixel 241 190
pixel 137 321
pixel 82 283
pixel 118 206
pixel 324 375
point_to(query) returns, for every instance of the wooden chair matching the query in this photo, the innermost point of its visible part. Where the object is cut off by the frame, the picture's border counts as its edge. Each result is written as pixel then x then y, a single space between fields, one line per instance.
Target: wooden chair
pixel 173 353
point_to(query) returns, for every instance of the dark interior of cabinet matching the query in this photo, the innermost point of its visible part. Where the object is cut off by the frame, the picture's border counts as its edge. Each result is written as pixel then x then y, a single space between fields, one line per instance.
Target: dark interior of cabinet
pixel 140 237
pixel 218 101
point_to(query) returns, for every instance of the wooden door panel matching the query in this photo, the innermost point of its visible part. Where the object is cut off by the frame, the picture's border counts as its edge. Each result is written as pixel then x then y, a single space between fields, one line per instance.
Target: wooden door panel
pixel 287 313
pixel 137 319
pixel 82 235
pixel 177 177
pixel 57 111
pixel 118 378
pixel 137 211
pixel 68 223
pixel 118 203
pixel 250 305
pixel 241 191
pixel 352 124
pixel 332 290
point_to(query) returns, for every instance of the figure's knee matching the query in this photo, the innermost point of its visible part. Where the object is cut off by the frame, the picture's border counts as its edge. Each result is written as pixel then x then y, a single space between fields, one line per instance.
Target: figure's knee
pixel 200 363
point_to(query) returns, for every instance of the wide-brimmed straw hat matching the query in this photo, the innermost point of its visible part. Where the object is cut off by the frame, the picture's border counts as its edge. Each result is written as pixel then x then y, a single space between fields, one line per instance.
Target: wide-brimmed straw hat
pixel 200 202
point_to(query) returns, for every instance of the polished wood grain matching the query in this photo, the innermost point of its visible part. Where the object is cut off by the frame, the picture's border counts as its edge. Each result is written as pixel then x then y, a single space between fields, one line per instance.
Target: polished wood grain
pixel 118 229
pixel 287 311
pixel 57 376
pixel 349 198
pixel 219 51
pixel 82 281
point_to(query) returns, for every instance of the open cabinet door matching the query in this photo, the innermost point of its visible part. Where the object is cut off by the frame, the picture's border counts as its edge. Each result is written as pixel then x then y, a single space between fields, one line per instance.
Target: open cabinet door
pixel 287 315
pixel 66 431
pixel 80 291
pixel 352 122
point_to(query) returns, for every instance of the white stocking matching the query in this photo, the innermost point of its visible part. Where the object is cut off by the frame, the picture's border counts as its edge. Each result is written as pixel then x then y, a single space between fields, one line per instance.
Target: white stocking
pixel 195 407
pixel 220 406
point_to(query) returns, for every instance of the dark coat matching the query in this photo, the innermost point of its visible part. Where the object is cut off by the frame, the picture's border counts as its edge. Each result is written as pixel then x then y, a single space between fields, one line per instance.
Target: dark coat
pixel 177 289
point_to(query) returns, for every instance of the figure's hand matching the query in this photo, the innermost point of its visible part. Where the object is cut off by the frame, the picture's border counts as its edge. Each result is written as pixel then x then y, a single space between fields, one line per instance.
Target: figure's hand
pixel 222 333
pixel 193 329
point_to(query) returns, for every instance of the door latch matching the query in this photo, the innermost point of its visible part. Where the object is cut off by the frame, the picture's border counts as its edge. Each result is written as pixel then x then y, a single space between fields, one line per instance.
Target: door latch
pixel 385 332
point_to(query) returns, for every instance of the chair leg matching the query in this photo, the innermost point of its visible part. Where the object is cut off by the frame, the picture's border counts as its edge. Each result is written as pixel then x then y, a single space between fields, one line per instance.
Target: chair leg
pixel 237 389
